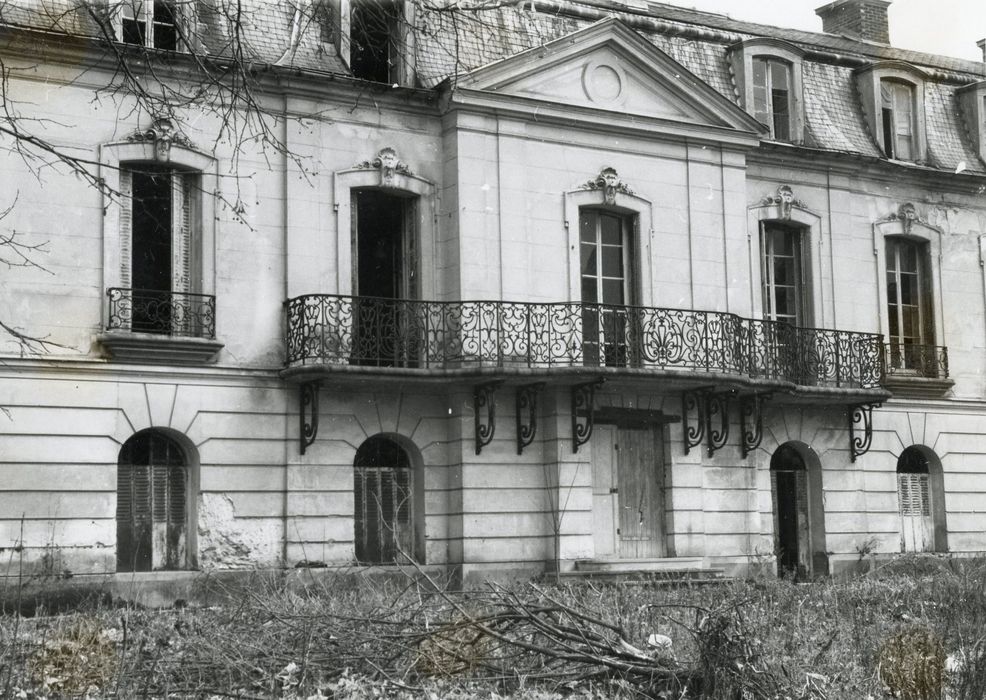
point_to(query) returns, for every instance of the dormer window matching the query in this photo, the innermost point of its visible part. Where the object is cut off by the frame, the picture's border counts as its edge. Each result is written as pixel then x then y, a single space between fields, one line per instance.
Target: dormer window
pixel 374 52
pixel 769 80
pixel 972 98
pixel 892 93
pixel 772 95
pixel 897 119
pixel 150 23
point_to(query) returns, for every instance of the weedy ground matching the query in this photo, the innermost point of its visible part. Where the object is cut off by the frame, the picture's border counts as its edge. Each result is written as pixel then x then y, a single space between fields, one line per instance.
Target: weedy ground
pixel 914 629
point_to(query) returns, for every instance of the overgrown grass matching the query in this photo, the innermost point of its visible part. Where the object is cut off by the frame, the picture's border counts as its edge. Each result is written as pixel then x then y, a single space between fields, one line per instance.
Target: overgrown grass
pixel 910 630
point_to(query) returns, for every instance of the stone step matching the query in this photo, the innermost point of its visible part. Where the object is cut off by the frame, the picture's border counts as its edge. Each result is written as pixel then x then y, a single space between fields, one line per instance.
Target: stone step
pixel 668 564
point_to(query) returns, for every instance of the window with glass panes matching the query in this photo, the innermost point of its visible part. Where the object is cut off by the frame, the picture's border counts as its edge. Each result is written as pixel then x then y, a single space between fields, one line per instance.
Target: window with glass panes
pixel 772 95
pixel 151 23
pixel 783 275
pixel 606 264
pixel 908 310
pixel 897 116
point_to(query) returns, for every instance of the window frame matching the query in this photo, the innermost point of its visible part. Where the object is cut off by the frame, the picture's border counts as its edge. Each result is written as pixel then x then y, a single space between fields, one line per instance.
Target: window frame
pixel 870 82
pixel 180 16
pixel 114 158
pixel 190 489
pixel 892 120
pixel 895 307
pixel 972 100
pixel 607 331
pixel 635 208
pixel 413 503
pixel 905 223
pixel 793 214
pixel 773 51
pixel 801 273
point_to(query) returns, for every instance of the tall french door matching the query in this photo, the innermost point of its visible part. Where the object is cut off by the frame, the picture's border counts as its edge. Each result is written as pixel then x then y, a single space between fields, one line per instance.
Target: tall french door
pixel 607 287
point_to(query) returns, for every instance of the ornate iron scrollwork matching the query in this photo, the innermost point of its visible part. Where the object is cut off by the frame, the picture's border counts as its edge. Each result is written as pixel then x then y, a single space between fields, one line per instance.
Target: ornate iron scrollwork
pixel 861 414
pixel 484 400
pixel 717 407
pixel 751 421
pixel 693 402
pixel 308 414
pixel 527 407
pixel 583 396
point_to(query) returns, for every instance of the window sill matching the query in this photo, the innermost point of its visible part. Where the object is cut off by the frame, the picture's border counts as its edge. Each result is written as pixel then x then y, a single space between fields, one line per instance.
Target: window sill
pixel 151 348
pixel 914 386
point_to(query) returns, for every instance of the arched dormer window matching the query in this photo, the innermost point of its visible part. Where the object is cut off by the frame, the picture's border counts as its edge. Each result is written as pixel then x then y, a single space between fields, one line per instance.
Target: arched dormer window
pixel 892 94
pixel 769 81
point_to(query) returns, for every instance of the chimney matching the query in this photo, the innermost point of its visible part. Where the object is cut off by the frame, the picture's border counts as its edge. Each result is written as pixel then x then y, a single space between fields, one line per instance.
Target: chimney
pixel 862 19
pixel 982 47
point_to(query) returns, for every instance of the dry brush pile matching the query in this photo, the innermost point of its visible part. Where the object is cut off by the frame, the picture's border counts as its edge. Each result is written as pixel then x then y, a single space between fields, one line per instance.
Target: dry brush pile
pixel 908 636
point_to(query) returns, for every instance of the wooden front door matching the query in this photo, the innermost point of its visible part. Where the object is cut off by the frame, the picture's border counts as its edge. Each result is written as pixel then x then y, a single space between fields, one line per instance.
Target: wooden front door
pixel 628 492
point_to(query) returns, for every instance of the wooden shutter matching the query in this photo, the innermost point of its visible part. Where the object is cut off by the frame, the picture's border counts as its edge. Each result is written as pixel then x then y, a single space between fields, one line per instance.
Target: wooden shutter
pixel 409 254
pixel 914 494
pixel 181 228
pixel 126 228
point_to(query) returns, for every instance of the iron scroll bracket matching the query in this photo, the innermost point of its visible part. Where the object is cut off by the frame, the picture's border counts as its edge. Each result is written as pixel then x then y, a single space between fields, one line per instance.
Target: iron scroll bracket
pixel 751 421
pixel 694 403
pixel 484 406
pixel 527 414
pixel 717 419
pixel 583 397
pixel 308 414
pixel 862 415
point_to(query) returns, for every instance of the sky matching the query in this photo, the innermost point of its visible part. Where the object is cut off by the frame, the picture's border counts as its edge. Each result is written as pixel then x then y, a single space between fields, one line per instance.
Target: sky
pixel 948 27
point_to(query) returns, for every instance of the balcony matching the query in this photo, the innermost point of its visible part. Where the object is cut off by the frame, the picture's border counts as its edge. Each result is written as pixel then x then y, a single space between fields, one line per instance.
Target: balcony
pixel 916 371
pixel 159 326
pixel 331 333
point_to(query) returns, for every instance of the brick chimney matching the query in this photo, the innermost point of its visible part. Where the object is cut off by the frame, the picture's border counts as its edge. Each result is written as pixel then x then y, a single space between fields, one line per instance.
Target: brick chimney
pixel 862 19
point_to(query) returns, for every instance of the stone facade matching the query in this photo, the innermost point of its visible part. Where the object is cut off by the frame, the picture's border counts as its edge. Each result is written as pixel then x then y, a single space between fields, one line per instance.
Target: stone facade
pixel 317 421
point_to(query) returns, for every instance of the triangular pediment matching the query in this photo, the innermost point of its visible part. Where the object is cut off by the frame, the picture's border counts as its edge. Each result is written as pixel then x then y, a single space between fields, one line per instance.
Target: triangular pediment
pixel 608 66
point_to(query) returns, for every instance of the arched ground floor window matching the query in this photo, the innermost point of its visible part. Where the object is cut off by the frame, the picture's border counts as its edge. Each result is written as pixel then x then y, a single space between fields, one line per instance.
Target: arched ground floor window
pixel 152 504
pixel 920 499
pixel 384 503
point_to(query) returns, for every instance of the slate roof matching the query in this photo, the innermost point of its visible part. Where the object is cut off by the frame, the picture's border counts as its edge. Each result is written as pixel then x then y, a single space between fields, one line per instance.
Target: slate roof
pixel 455 41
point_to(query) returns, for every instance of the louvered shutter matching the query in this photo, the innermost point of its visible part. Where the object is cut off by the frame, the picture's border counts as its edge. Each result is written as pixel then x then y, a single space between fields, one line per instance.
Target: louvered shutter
pixel 181 227
pixel 917 526
pixel 126 228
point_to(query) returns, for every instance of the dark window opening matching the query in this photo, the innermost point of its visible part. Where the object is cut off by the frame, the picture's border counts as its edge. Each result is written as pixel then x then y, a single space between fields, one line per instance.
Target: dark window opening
pixel 151 505
pixel 384 328
pixel 373 40
pixel 165 28
pixel 383 518
pixel 152 249
pixel 159 31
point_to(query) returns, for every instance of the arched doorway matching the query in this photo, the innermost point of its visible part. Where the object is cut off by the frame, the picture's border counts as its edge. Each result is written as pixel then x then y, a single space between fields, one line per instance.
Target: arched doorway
pixel 384 502
pixel 790 490
pixel 151 504
pixel 799 528
pixel 920 499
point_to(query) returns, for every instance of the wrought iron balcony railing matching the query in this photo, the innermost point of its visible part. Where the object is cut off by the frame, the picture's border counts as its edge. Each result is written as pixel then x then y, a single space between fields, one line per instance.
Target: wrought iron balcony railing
pixel 905 360
pixel 461 334
pixel 163 313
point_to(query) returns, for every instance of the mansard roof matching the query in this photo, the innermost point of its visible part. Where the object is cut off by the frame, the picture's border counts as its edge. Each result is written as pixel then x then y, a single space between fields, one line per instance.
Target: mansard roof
pixel 451 40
